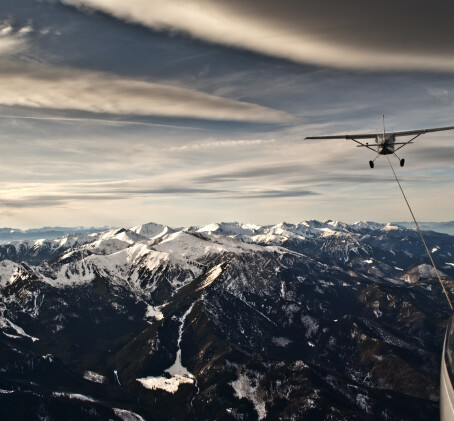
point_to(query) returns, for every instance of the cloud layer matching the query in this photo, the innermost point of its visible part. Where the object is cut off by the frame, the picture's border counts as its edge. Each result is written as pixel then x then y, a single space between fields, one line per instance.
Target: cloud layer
pixel 350 34
pixel 98 92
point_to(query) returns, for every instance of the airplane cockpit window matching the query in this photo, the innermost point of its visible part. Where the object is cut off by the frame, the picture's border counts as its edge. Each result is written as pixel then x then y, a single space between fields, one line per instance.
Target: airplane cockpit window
pixel 449 349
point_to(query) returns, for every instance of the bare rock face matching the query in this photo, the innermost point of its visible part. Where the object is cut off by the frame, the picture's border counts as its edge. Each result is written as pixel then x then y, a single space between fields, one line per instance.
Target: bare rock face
pixel 423 271
pixel 317 320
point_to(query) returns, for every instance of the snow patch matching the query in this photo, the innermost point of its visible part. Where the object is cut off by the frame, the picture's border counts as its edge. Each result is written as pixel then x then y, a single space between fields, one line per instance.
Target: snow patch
pixel 169 384
pixel 212 275
pixel 94 377
pixel 248 388
pixel 362 402
pixel 9 271
pixel 178 373
pixel 73 396
pixel 125 415
pixel 378 313
pixel 310 324
pixel 390 227
pixel 8 324
pixel 281 341
pixel 154 313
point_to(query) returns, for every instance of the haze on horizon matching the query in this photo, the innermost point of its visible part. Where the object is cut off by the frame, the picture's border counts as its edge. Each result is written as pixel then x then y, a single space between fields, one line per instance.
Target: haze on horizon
pixel 189 112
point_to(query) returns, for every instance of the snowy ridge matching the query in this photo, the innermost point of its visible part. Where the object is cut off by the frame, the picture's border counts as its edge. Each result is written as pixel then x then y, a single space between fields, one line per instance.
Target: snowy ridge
pixel 230 228
pixel 122 255
pixel 193 247
pixel 118 266
pixel 9 271
pixel 127 256
pixel 115 240
pixel 152 231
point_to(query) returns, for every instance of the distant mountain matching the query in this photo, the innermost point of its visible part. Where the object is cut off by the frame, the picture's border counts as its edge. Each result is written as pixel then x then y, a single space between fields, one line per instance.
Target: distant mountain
pixel 445 227
pixel 318 320
pixel 47 233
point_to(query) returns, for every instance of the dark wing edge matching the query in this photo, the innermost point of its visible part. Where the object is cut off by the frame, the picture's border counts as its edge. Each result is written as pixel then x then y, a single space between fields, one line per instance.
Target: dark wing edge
pixel 422 131
pixel 346 136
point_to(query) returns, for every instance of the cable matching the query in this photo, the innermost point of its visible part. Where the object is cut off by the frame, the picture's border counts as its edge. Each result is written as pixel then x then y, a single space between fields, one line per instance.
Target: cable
pixel 422 237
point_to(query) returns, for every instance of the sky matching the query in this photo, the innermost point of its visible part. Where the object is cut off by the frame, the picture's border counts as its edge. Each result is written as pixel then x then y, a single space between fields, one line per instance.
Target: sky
pixel 187 112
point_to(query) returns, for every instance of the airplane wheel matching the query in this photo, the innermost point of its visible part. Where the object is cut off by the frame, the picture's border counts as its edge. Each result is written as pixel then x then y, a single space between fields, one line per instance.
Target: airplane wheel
pixel 371 164
pixel 402 162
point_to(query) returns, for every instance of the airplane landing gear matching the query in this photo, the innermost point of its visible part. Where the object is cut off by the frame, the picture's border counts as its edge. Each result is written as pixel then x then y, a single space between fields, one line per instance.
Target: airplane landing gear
pixel 371 164
pixel 402 162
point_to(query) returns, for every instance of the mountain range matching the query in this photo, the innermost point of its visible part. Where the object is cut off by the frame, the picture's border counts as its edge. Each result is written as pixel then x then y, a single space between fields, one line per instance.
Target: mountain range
pixel 319 320
pixel 48 233
pixel 445 227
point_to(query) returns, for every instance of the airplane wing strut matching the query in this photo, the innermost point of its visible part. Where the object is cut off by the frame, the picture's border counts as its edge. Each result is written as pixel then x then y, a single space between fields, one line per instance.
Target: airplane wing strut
pixel 406 143
pixel 363 145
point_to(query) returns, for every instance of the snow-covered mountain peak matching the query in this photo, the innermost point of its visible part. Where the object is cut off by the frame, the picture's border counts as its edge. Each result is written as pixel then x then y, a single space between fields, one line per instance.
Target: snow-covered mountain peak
pixel 366 225
pixel 152 230
pixel 284 226
pixel 391 227
pixel 230 228
pixel 337 225
pixel 122 234
pixel 104 243
pixel 194 246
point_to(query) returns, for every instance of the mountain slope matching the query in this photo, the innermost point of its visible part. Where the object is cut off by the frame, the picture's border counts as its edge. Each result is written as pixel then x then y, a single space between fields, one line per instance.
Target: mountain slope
pixel 316 320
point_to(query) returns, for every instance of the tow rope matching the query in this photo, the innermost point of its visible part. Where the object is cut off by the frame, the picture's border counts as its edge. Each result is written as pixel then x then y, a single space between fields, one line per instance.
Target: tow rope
pixel 422 237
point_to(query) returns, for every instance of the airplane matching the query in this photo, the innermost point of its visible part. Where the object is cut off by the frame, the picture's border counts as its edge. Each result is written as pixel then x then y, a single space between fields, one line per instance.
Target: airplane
pixel 384 142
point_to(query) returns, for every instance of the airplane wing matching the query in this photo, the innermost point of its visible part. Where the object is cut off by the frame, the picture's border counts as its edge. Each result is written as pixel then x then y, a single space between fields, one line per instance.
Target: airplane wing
pixel 353 137
pixel 422 131
pixel 346 136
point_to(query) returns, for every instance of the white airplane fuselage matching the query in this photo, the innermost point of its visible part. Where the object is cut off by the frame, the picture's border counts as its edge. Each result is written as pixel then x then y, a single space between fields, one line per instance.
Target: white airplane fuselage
pixel 385 143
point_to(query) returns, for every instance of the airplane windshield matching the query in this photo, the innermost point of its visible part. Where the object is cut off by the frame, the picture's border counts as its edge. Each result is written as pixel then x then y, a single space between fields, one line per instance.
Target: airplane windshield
pixel 449 349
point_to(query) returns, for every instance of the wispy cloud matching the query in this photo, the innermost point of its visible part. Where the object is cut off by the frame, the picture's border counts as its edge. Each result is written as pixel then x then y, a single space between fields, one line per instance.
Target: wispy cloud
pixel 94 120
pixel 251 172
pixel 178 184
pixel 349 34
pixel 97 92
pixel 54 200
pixel 270 194
pixel 12 40
pixel 220 144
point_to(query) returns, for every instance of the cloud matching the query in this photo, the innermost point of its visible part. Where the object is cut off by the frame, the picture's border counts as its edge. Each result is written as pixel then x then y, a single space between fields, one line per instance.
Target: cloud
pixel 102 121
pixel 410 35
pixel 269 194
pixel 220 144
pixel 98 92
pixel 268 171
pixel 51 200
pixel 12 40
pixel 68 194
pixel 290 177
pixel 437 154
